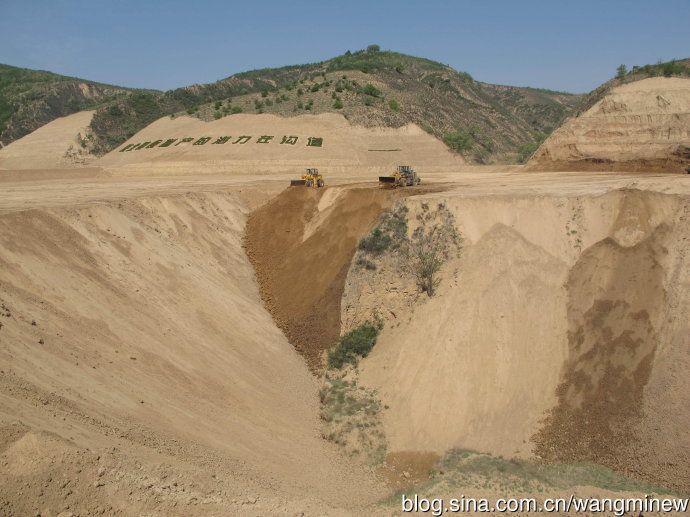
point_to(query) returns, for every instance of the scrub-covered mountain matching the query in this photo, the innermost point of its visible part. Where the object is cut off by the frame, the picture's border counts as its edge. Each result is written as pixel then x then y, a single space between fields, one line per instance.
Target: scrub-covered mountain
pixel 484 122
pixel 30 99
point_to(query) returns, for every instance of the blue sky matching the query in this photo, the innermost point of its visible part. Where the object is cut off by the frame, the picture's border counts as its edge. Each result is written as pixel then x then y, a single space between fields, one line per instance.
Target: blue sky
pixel 565 45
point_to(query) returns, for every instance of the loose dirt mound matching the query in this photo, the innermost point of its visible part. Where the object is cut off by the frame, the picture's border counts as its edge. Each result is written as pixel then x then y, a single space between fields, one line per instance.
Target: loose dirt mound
pixel 344 147
pixel 640 126
pixel 301 269
pixel 584 315
pixel 53 146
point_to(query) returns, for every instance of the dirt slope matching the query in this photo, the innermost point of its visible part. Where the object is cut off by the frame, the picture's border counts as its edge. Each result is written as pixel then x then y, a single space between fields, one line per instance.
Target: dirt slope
pixel 55 145
pixel 639 126
pixel 135 352
pixel 345 148
pixel 565 340
pixel 301 244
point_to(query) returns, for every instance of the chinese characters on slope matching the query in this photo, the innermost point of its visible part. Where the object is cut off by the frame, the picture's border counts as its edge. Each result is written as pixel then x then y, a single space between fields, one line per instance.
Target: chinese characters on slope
pixel 312 141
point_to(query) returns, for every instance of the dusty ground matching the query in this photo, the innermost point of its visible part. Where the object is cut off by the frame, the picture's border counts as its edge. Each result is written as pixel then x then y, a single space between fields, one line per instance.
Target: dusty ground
pixel 154 380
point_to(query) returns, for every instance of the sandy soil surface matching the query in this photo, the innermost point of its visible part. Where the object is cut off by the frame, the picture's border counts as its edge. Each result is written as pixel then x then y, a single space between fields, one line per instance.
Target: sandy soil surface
pixel 346 149
pixel 133 331
pixel 140 372
pixel 53 146
pixel 153 304
pixel 558 332
pixel 641 126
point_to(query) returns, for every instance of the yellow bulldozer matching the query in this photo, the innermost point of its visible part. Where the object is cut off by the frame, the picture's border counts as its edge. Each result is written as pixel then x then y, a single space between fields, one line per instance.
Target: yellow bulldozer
pixel 405 176
pixel 312 178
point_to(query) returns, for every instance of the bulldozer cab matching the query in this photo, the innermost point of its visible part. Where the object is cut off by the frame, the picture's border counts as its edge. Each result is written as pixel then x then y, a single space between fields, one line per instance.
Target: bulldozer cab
pixel 311 178
pixel 404 176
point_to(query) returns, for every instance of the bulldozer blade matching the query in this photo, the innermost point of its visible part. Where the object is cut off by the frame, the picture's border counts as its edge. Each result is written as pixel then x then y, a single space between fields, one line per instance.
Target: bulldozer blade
pixel 297 183
pixel 386 179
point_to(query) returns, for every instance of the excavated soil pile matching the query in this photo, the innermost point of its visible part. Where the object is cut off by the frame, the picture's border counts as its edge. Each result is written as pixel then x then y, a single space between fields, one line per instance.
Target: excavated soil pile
pixel 641 126
pixel 301 244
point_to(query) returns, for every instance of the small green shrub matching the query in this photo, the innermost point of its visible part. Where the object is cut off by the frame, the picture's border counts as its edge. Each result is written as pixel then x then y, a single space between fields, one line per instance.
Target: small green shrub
pixel 526 151
pixel 368 101
pixel 235 109
pixel 264 93
pixel 376 242
pixel 371 90
pixel 621 71
pixel 458 140
pixel 338 104
pixel 354 345
pixel 365 263
pixel 393 104
pixel 432 243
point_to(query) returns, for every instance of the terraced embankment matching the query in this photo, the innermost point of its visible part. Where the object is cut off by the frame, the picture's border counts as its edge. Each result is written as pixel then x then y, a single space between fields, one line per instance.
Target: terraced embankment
pixel 640 126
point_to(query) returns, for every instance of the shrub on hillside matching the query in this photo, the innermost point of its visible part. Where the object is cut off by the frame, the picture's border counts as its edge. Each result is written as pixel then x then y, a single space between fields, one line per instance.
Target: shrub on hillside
pixel 458 140
pixel 338 104
pixel 354 345
pixel 526 151
pixel 431 244
pixel 371 90
pixel 621 71
pixel 390 233
pixel 393 104
pixel 376 242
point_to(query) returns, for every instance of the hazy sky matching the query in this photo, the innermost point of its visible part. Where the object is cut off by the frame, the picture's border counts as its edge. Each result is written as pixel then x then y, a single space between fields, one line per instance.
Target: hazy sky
pixel 565 45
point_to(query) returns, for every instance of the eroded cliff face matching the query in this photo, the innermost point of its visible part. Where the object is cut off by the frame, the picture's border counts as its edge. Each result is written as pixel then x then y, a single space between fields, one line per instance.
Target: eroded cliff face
pixel 558 332
pixel 643 125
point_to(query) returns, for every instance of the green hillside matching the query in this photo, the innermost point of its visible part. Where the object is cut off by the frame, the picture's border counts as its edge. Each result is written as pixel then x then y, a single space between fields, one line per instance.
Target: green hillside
pixel 32 98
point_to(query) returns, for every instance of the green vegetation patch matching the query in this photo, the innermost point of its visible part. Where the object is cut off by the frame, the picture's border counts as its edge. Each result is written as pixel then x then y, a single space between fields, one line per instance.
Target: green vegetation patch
pixel 434 240
pixel 526 151
pixel 351 418
pixel 354 345
pixel 467 468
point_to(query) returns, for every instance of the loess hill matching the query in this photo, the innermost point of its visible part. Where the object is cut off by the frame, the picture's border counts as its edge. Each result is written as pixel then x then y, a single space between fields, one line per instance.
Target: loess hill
pixel 484 122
